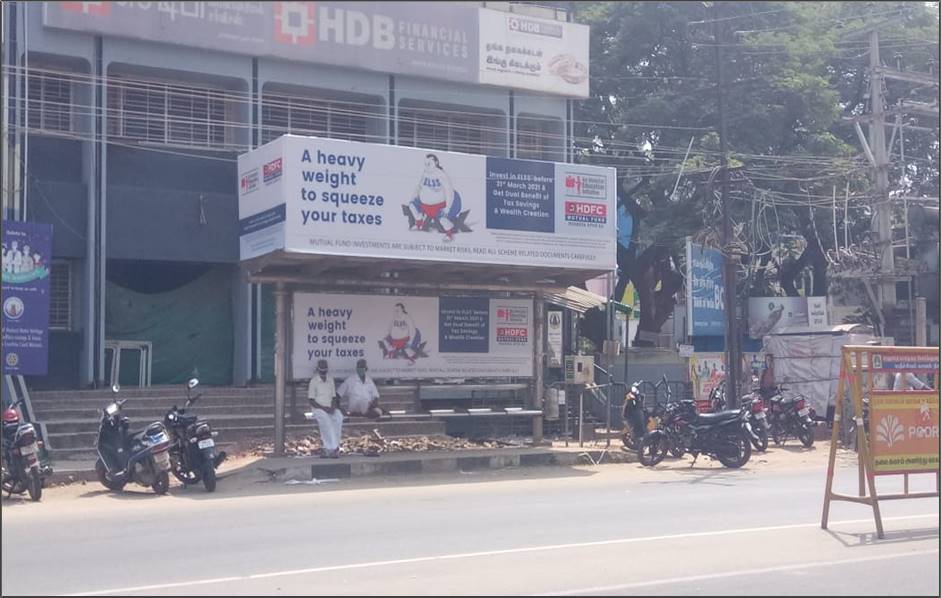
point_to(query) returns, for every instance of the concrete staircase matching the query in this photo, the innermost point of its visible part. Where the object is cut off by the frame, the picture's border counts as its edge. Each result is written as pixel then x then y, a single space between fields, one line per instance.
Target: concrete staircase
pixel 71 417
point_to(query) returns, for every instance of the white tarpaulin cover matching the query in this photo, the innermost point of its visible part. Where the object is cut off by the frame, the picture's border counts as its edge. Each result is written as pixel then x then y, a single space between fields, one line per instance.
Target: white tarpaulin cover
pixel 809 364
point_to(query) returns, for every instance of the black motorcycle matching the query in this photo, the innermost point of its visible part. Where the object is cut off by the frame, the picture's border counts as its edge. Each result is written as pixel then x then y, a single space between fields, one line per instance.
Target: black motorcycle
pixel 123 456
pixel 21 470
pixel 790 417
pixel 753 406
pixel 722 435
pixel 635 416
pixel 193 456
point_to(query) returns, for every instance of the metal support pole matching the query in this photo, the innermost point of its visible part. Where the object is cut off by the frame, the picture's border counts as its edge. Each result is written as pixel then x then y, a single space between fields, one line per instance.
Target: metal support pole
pixel 581 411
pixel 539 365
pixel 280 366
pixel 733 360
pixel 921 322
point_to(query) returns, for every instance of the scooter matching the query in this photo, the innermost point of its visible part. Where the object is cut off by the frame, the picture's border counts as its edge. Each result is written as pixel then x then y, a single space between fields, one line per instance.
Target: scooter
pixel 123 456
pixel 193 455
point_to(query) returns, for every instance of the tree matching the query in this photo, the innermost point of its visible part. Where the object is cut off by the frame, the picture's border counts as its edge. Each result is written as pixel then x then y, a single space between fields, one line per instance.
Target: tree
pixel 793 74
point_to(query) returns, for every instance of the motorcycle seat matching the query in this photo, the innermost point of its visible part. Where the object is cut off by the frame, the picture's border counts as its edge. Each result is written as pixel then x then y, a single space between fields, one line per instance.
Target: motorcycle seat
pixel 715 418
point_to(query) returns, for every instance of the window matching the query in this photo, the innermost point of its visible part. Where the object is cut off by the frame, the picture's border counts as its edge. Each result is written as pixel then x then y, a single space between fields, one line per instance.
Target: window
pixel 455 129
pixel 60 296
pixel 50 101
pixel 539 138
pixel 281 114
pixel 164 113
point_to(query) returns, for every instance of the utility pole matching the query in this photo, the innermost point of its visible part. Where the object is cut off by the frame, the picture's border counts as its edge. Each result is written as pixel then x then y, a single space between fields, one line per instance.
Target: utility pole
pixel 882 211
pixel 732 353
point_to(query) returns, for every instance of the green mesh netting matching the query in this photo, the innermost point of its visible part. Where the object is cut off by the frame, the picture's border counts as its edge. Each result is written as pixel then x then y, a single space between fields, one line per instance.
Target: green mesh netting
pixel 190 327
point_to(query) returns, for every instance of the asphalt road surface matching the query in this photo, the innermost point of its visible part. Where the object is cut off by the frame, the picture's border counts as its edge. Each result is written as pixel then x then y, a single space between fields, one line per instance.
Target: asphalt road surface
pixel 609 530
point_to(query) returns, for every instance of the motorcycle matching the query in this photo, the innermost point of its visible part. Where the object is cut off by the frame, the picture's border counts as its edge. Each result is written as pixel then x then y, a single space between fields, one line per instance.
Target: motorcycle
pixel 141 457
pixel 21 470
pixel 721 436
pixel 635 416
pixel 753 406
pixel 790 417
pixel 193 456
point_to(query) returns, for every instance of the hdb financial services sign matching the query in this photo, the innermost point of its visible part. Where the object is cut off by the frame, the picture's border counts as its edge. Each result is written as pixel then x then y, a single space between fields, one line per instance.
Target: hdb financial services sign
pixel 324 196
pixel 705 293
pixel 439 40
pixel 27 252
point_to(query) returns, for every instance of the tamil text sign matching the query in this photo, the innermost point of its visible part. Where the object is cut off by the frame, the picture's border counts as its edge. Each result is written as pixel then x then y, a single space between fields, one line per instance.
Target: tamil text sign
pixel 903 431
pixel 413 337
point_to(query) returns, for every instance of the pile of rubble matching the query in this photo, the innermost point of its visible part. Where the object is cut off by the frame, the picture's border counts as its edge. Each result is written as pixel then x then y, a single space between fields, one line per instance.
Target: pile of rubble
pixel 375 444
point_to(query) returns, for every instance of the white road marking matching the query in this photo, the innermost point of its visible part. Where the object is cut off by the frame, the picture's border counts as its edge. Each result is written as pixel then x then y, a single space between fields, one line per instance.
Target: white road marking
pixel 694 578
pixel 468 555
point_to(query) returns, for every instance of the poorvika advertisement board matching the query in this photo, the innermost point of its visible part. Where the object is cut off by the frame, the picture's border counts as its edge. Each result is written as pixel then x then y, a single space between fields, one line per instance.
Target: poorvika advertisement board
pixel 332 197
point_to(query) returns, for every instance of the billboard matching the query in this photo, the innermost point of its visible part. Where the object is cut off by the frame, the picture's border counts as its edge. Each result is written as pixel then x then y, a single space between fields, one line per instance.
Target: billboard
pixel 426 39
pixel 904 431
pixel 770 315
pixel 705 292
pixel 538 54
pixel 27 259
pixel 344 198
pixel 413 337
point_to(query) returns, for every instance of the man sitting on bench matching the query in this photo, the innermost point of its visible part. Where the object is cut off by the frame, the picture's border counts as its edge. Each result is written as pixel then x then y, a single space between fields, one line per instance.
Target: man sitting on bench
pixel 361 393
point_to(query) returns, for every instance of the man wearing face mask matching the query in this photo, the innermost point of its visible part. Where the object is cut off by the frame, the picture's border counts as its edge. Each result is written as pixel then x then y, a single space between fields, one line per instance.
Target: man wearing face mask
pixel 361 393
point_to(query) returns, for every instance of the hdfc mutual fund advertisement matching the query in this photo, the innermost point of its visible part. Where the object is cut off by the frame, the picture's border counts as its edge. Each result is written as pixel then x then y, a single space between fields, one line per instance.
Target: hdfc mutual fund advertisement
pixel 903 428
pixel 545 55
pixel 261 201
pixel 413 337
pixel 382 201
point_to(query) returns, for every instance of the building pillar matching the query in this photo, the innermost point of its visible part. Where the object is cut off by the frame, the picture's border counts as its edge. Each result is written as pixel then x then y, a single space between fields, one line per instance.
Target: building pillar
pixel 280 365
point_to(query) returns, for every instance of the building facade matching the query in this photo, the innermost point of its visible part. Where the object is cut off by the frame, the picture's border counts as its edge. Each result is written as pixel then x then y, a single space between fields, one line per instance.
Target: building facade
pixel 123 121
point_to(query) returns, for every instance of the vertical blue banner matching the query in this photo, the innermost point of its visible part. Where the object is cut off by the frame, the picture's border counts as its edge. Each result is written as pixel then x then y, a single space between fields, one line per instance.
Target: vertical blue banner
pixel 705 291
pixel 27 259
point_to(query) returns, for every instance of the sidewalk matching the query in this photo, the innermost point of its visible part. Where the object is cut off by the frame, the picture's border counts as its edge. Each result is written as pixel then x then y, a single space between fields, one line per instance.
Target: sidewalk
pixel 312 468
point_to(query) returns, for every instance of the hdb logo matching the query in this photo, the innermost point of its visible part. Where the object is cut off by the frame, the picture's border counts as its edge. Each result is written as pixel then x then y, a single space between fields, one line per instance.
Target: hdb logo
pixel 294 23
pixel 89 8
pixel 272 171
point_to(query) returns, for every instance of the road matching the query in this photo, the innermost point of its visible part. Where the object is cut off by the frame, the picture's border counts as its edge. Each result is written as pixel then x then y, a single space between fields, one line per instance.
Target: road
pixel 607 530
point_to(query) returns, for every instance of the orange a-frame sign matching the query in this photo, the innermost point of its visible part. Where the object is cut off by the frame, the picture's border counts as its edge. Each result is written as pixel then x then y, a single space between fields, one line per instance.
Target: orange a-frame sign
pixel 901 434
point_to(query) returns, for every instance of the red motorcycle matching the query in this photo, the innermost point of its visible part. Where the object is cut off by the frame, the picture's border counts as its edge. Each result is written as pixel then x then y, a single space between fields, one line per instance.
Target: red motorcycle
pixel 21 470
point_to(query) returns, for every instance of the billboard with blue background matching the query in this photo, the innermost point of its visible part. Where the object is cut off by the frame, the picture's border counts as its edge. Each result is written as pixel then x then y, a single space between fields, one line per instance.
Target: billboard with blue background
pixel 705 292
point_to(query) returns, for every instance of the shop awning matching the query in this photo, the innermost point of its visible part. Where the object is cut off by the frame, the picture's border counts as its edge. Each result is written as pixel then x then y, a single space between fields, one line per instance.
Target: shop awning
pixel 580 300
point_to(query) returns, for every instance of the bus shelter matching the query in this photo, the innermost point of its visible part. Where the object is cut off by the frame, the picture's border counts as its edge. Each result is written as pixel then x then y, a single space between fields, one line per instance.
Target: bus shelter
pixel 428 264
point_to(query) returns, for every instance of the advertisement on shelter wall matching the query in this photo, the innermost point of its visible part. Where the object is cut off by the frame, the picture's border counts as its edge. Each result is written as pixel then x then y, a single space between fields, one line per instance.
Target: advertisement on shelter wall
pixel 27 262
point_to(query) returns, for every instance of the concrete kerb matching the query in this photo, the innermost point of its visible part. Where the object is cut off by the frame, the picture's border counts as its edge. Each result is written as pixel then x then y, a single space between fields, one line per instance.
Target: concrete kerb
pixel 354 466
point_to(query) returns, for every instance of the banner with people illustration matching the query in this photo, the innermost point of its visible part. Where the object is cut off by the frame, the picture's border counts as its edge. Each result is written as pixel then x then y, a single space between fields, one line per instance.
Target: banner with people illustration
pixel 27 256
pixel 327 196
pixel 413 337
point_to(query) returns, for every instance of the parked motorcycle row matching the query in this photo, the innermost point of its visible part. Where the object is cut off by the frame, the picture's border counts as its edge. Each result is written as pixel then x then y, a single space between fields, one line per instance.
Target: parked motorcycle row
pixel 728 435
pixel 181 444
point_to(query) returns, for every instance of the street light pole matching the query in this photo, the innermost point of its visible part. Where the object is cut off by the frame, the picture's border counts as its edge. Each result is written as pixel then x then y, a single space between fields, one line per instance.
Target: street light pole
pixel 728 265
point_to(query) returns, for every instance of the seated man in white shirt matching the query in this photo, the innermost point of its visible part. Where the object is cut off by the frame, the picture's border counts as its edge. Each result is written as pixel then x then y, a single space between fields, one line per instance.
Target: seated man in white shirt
pixel 323 399
pixel 361 392
pixel 908 381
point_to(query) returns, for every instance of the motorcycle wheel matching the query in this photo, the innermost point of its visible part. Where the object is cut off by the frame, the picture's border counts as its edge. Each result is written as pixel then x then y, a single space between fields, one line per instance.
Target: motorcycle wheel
pixel 735 452
pixel 761 444
pixel 209 477
pixel 652 451
pixel 108 483
pixel 35 485
pixel 677 451
pixel 806 436
pixel 778 435
pixel 627 439
pixel 162 483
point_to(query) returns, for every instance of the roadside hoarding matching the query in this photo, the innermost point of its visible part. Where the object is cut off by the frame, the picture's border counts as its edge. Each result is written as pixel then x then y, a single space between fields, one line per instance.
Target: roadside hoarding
pixel 343 198
pixel 770 315
pixel 705 292
pixel 413 337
